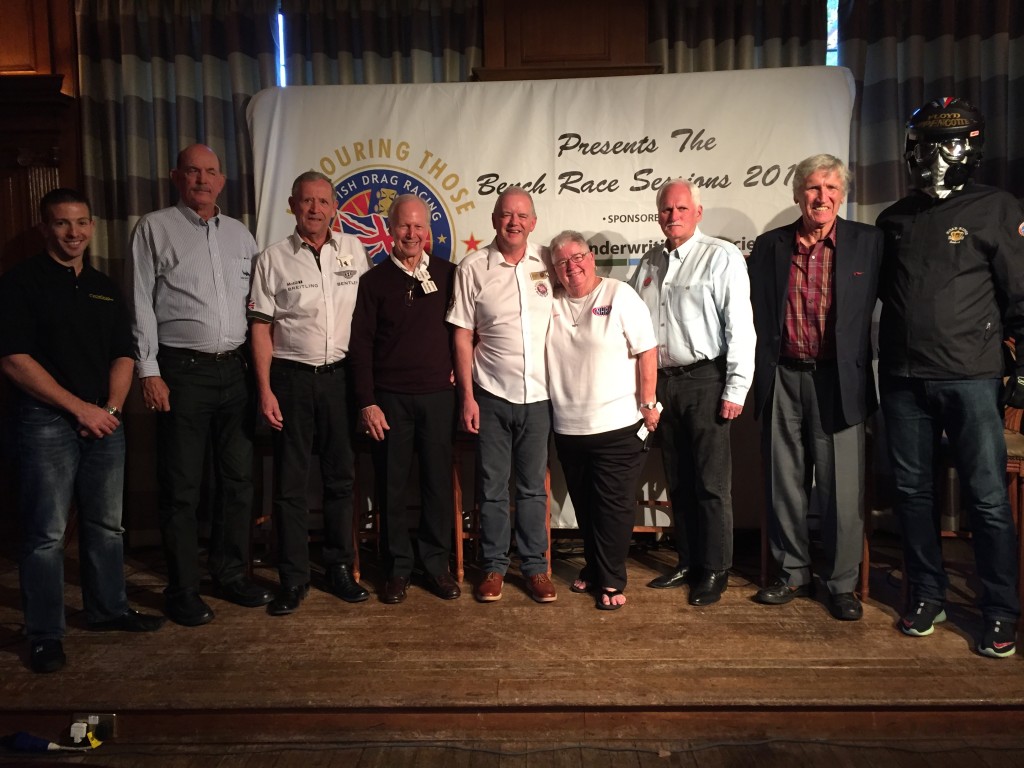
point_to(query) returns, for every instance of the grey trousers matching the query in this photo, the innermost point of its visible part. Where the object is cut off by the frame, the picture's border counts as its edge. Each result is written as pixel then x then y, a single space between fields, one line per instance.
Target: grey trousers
pixel 805 467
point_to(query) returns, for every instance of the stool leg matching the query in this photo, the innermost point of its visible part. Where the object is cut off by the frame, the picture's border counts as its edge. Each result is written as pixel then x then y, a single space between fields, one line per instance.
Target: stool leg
pixel 460 569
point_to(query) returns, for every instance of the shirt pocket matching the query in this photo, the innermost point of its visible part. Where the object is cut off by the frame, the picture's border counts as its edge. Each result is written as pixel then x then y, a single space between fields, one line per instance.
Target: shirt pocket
pixel 687 302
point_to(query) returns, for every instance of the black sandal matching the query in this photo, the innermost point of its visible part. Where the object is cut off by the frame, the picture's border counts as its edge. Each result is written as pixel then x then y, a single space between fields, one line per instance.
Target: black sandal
pixel 611 605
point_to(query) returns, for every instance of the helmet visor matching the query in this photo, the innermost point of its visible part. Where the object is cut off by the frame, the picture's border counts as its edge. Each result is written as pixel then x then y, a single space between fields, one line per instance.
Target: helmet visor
pixel 952 150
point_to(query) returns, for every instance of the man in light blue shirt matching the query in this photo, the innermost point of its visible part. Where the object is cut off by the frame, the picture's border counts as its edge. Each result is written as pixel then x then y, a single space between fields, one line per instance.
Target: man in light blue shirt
pixel 190 274
pixel 699 296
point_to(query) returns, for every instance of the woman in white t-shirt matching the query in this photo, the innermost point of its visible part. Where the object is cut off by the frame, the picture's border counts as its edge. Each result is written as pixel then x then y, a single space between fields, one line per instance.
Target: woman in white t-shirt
pixel 602 370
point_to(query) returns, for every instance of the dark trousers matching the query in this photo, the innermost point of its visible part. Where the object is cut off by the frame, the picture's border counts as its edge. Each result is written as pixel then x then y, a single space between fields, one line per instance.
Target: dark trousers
pixel 315 412
pixel 209 399
pixel 423 424
pixel 697 454
pixel 917 411
pixel 601 474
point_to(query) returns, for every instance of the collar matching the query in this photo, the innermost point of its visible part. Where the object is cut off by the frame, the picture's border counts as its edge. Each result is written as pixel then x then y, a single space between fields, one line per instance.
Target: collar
pixel 684 248
pixel 424 262
pixel 198 220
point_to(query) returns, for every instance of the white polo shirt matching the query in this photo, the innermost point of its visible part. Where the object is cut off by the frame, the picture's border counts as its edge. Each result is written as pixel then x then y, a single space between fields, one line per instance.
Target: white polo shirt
pixel 509 307
pixel 310 306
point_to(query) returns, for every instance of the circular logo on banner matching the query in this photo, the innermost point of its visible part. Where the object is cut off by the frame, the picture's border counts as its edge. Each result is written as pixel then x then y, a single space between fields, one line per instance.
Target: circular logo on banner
pixel 365 197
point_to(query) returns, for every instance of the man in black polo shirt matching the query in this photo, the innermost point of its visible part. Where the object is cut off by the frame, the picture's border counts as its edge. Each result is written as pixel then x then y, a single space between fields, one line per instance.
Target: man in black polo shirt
pixel 66 344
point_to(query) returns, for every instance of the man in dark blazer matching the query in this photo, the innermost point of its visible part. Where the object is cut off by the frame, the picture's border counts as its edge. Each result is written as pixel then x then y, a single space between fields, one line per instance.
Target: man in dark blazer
pixel 813 287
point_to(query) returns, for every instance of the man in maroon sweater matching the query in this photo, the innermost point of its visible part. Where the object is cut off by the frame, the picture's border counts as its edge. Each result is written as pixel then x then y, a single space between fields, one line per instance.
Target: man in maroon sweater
pixel 400 352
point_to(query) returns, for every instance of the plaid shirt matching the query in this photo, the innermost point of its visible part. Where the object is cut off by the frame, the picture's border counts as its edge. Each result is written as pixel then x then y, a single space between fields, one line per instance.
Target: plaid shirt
pixel 809 330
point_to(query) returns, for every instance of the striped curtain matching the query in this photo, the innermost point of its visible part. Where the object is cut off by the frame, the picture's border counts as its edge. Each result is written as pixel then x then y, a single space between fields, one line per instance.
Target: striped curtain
pixel 905 52
pixel 155 76
pixel 332 42
pixel 706 35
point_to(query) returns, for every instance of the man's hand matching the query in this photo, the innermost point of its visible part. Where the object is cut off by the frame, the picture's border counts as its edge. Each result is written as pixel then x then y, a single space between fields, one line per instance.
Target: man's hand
pixel 469 419
pixel 373 421
pixel 730 411
pixel 156 394
pixel 270 410
pixel 94 421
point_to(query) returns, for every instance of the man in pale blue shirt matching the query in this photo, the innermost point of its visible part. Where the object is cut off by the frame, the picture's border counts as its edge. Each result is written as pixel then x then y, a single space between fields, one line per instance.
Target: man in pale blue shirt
pixel 190 273
pixel 699 296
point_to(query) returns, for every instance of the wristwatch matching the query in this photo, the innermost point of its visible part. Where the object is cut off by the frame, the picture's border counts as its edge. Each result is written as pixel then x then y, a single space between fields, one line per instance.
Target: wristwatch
pixel 113 411
pixel 649 406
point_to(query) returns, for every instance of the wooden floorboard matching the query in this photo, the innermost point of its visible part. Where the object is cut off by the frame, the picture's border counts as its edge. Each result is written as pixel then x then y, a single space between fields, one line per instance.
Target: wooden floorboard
pixel 430 670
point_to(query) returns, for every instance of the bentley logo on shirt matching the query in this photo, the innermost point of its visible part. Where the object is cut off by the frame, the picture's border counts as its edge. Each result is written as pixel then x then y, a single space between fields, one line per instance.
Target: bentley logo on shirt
pixel 956 235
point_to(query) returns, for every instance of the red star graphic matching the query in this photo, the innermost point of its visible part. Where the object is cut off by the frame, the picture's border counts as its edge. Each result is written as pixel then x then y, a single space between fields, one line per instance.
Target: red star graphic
pixel 472 244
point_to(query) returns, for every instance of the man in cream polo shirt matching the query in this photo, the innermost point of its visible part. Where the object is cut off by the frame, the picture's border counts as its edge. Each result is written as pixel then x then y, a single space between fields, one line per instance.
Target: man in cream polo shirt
pixel 303 294
pixel 502 296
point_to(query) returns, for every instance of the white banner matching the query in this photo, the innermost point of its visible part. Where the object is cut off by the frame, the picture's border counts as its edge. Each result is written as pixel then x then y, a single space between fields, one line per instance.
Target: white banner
pixel 592 151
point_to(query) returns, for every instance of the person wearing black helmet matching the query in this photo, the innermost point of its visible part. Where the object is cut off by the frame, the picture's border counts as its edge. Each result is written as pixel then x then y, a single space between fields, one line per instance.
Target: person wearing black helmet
pixel 952 288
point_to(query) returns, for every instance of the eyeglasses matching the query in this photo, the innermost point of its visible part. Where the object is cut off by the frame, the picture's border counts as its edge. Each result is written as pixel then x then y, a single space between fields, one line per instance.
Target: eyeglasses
pixel 576 258
pixel 952 150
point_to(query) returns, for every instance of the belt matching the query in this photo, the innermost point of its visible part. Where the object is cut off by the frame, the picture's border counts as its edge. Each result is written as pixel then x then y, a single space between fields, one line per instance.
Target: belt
pixel 326 368
pixel 805 363
pixel 679 370
pixel 216 356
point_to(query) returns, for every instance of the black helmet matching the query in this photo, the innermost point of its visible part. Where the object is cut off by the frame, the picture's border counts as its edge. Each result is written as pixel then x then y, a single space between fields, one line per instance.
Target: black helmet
pixel 950 128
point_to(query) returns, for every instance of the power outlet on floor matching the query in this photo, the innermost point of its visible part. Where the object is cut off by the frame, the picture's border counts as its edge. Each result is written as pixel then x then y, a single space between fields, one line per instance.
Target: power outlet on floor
pixel 102 725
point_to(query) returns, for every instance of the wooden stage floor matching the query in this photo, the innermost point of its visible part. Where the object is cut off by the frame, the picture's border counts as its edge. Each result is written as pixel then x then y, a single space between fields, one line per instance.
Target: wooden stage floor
pixel 435 670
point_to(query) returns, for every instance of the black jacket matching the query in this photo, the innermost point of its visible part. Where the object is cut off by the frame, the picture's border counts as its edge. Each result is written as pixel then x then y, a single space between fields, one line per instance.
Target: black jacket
pixel 952 284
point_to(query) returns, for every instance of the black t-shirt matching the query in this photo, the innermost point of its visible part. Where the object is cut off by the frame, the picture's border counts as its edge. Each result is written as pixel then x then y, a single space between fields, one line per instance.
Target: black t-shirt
pixel 73 326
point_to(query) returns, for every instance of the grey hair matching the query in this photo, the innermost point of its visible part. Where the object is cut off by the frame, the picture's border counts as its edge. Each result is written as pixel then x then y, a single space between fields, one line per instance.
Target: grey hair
pixel 402 200
pixel 663 189
pixel 515 191
pixel 815 163
pixel 308 176
pixel 565 237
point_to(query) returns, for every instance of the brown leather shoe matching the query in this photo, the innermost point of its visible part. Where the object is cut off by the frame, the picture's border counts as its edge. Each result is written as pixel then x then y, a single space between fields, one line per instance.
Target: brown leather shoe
pixel 489 590
pixel 394 589
pixel 444 586
pixel 541 588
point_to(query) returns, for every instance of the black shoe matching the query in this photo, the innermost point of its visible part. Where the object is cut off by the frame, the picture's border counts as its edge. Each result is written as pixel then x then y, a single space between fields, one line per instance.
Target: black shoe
pixel 444 586
pixel 129 621
pixel 845 607
pixel 672 580
pixel 47 656
pixel 394 590
pixel 287 600
pixel 780 593
pixel 339 578
pixel 710 588
pixel 243 593
pixel 188 609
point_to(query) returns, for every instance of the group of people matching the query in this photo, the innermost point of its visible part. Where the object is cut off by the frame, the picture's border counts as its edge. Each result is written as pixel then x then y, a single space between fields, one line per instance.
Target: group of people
pixel 515 342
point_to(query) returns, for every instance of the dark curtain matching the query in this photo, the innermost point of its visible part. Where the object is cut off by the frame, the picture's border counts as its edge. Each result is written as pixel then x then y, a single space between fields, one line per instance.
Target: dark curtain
pixel 905 52
pixel 155 77
pixel 703 36
pixel 331 42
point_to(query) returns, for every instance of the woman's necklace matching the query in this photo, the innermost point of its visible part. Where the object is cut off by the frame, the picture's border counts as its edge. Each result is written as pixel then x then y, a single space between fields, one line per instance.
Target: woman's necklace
pixel 583 302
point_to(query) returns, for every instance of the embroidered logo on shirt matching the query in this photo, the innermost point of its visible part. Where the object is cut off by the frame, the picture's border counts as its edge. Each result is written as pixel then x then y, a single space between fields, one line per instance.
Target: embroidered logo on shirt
pixel 346 274
pixel 101 297
pixel 956 235
pixel 542 289
pixel 252 305
pixel 605 310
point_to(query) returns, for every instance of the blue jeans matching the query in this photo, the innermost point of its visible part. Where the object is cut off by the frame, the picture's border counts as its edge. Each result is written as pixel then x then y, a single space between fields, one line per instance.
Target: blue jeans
pixel 916 414
pixel 516 435
pixel 57 466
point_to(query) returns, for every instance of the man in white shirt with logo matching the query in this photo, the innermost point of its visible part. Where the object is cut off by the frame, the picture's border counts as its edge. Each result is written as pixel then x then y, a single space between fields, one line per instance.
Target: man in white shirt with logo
pixel 699 295
pixel 502 296
pixel 303 294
